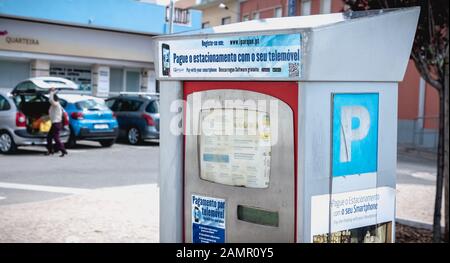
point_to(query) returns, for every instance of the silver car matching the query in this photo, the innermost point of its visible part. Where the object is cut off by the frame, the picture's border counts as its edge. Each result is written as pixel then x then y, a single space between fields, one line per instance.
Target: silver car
pixel 26 102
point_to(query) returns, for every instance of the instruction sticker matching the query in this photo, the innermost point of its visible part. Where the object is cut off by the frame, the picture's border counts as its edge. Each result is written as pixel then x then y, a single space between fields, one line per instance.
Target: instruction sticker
pixel 241 159
pixel 208 219
pixel 256 56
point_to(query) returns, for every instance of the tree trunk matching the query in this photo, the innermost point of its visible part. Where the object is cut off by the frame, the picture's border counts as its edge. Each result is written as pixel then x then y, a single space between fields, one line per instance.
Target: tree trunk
pixel 446 143
pixel 440 172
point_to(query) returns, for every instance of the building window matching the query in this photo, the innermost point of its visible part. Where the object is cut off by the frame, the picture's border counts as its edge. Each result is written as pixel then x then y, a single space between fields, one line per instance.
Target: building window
pixel 255 15
pixel 124 80
pixel 116 80
pixel 226 20
pixel 325 6
pixel 180 16
pixel 132 81
pixel 245 18
pixel 306 8
pixel 78 74
pixel 206 25
pixel 278 12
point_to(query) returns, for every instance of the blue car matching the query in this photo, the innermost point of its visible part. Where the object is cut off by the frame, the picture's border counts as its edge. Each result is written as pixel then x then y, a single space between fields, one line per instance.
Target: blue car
pixel 89 119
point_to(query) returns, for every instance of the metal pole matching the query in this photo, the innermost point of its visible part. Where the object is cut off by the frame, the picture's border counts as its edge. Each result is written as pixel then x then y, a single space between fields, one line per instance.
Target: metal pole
pixel 238 13
pixel 172 7
pixel 170 167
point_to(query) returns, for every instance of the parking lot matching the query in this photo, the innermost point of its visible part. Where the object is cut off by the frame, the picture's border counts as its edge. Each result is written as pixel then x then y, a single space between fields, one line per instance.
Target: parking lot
pixel 94 194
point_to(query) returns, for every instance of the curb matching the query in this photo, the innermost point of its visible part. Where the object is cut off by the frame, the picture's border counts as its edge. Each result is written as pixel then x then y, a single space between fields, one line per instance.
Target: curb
pixel 416 224
pixel 403 150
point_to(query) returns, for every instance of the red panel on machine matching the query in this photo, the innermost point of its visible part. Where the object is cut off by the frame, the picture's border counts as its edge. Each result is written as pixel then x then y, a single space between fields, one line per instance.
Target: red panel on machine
pixel 285 91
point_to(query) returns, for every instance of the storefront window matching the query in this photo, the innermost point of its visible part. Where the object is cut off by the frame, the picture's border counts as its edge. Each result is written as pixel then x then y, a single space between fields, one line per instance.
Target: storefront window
pixel 13 72
pixel 78 74
pixel 116 80
pixel 133 81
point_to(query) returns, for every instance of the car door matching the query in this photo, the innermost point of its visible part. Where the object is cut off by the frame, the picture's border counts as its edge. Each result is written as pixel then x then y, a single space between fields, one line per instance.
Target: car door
pixel 6 115
pixel 116 106
pixel 130 110
pixel 135 114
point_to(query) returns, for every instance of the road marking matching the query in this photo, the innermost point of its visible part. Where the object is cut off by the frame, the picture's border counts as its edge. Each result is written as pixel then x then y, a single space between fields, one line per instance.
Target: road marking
pixel 44 188
pixel 424 176
pixel 2 198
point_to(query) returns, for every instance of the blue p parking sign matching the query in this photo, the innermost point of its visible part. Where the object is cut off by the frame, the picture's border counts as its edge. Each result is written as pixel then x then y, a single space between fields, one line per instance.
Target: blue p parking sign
pixel 355 134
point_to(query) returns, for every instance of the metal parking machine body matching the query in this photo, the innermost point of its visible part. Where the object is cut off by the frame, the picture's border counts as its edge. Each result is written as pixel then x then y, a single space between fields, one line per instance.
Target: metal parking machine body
pixel 282 130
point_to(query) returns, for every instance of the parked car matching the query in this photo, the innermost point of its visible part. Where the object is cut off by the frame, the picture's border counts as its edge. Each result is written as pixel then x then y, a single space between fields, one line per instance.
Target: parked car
pixel 89 119
pixel 137 115
pixel 26 105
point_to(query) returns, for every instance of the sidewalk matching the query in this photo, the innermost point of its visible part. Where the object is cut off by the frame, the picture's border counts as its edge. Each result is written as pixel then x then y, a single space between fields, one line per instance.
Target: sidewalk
pixel 126 214
pixel 416 186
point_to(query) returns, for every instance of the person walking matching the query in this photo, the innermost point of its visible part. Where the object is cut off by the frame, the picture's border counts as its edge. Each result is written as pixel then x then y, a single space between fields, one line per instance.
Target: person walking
pixel 56 117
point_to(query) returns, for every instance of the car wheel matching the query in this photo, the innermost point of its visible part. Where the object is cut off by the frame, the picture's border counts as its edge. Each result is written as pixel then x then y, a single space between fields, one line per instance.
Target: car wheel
pixel 134 136
pixel 7 144
pixel 107 143
pixel 72 142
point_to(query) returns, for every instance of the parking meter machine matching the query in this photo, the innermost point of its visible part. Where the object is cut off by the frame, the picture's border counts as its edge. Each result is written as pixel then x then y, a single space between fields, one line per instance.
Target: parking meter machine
pixel 283 129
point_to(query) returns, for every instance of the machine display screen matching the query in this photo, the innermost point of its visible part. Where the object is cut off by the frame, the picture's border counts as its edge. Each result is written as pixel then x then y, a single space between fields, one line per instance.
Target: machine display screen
pixel 235 147
pixel 257 216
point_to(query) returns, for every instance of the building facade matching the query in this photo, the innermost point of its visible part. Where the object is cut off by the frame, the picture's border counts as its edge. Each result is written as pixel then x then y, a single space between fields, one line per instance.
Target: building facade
pixel 251 10
pixel 215 12
pixel 418 106
pixel 104 46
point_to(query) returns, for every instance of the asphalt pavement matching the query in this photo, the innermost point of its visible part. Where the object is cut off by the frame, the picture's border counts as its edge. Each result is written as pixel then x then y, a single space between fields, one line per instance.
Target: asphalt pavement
pixel 31 176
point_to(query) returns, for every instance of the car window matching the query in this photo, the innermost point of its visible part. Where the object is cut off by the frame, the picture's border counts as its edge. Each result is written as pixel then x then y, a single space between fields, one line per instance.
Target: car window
pixel 91 105
pixel 38 97
pixel 153 107
pixel 19 100
pixel 59 83
pixel 129 105
pixel 63 102
pixel 4 104
pixel 24 86
pixel 119 105
pixel 110 104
